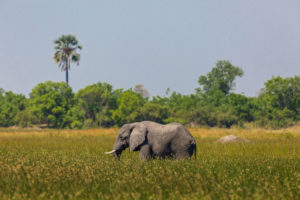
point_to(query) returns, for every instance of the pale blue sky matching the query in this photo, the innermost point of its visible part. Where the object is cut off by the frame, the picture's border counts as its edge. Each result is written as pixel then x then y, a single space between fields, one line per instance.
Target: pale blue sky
pixel 159 43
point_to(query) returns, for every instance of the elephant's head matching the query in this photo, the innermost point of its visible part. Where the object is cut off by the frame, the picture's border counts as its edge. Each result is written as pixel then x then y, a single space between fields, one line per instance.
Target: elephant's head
pixel 130 135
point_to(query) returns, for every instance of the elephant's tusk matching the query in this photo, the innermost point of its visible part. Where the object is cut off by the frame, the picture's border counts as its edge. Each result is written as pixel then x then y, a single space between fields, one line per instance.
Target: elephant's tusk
pixel 110 152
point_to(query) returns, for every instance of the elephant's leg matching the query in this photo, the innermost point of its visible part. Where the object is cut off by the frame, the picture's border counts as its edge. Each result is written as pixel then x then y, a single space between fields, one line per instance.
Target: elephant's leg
pixel 182 154
pixel 161 157
pixel 145 153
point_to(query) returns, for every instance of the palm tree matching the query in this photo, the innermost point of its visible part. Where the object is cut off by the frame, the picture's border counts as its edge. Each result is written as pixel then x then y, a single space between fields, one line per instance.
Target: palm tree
pixel 65 53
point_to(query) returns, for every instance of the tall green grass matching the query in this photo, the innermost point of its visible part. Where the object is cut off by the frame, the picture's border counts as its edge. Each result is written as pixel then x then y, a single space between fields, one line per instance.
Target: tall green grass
pixel 72 165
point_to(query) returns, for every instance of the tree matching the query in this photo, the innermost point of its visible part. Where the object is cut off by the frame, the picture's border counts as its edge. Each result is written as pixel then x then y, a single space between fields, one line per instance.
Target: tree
pixel 283 92
pixel 220 78
pixel 10 105
pixel 98 101
pixel 65 53
pixel 177 107
pixel 129 104
pixel 241 106
pixel 153 112
pixel 51 103
pixel 139 88
pixel 279 104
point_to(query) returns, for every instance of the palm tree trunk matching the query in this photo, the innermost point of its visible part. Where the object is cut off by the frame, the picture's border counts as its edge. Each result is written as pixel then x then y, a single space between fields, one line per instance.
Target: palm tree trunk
pixel 67 76
pixel 67 72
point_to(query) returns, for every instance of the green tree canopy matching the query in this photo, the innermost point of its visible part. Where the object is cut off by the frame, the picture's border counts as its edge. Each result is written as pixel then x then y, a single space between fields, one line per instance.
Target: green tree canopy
pixel 51 103
pixel 153 112
pixel 65 53
pixel 221 78
pixel 129 104
pixel 98 102
pixel 283 92
pixel 279 103
pixel 10 105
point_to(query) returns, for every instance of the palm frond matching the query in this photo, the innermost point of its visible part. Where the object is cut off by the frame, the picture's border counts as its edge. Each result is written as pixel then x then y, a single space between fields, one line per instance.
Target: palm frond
pixel 65 51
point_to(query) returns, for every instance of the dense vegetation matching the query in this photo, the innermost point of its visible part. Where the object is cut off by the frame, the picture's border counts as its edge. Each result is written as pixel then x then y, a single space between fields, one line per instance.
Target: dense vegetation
pixel 70 164
pixel 55 105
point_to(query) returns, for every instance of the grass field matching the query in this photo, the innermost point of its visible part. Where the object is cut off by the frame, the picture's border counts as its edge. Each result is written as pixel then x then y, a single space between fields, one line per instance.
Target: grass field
pixel 52 164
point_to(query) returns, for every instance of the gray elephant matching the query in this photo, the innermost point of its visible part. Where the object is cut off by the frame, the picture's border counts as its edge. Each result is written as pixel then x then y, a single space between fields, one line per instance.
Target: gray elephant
pixel 155 140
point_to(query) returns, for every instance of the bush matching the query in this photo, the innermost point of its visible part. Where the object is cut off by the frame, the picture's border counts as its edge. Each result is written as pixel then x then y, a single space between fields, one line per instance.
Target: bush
pixel 25 118
pixel 153 112
pixel 89 123
pixel 225 119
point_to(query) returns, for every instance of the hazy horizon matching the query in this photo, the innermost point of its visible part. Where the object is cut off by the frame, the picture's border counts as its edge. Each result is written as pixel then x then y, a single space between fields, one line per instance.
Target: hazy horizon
pixel 160 44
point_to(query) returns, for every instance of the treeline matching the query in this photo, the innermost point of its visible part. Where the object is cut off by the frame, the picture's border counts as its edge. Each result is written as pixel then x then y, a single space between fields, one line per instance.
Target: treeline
pixel 55 105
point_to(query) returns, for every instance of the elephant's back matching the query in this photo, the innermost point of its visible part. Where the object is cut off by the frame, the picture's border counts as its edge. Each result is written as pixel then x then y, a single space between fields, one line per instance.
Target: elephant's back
pixel 168 132
pixel 178 128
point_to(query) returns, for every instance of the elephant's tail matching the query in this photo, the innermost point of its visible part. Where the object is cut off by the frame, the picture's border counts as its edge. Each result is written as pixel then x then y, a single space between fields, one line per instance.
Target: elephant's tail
pixel 194 149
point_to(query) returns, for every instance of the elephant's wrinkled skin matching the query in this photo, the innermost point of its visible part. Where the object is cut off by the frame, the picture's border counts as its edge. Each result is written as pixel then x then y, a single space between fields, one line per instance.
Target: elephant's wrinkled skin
pixel 155 140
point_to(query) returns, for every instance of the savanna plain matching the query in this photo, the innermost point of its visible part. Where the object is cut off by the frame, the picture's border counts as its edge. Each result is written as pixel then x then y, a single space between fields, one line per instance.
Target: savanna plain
pixel 71 164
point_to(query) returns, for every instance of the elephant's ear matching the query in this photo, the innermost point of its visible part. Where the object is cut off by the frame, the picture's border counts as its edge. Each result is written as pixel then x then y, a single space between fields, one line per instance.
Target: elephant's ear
pixel 137 137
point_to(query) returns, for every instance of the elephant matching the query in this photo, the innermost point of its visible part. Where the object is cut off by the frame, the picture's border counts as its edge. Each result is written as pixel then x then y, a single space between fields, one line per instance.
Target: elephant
pixel 155 140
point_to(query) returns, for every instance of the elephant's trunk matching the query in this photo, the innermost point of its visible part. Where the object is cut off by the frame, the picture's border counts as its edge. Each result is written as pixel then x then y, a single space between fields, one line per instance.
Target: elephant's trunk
pixel 117 155
pixel 118 148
